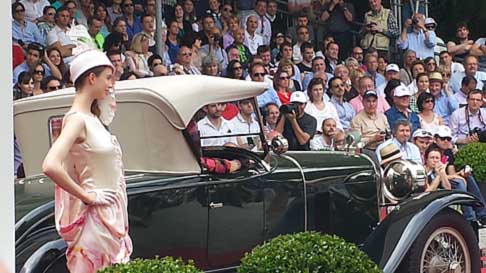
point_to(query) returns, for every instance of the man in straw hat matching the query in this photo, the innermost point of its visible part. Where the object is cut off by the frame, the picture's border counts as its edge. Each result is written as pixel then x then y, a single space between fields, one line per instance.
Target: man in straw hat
pixel 388 154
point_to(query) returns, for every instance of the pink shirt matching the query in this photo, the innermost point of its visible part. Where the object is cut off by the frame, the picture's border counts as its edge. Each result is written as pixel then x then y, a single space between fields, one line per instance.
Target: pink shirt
pixel 357 104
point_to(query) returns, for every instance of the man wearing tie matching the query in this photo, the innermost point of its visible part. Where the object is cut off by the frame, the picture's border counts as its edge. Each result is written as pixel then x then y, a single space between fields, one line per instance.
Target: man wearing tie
pixel 264 26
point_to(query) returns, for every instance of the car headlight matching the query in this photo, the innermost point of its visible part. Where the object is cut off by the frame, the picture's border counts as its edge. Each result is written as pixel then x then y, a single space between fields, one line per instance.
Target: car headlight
pixel 401 178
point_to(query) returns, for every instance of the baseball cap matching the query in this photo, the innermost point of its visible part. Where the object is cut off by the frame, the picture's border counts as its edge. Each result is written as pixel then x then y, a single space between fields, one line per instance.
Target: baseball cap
pixel 392 67
pixel 421 133
pixel 443 131
pixel 298 96
pixel 401 91
pixel 430 21
pixel 370 93
pixel 86 60
pixel 435 76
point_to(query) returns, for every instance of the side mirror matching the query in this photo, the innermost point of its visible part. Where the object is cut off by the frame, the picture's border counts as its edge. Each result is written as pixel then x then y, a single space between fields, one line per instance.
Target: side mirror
pixel 279 145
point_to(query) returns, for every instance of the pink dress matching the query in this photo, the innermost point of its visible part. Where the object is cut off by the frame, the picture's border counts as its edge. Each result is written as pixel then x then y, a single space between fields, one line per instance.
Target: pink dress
pixel 97 236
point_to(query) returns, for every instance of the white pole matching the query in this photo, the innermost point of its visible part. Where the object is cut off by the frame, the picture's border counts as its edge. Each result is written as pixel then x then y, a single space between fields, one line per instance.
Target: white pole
pixel 7 251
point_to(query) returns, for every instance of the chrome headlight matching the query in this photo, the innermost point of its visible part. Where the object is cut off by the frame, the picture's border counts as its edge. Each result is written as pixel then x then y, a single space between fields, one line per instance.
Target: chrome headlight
pixel 401 178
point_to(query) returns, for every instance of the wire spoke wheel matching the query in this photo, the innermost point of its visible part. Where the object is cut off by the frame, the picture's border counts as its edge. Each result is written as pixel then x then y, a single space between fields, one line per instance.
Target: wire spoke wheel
pixel 446 251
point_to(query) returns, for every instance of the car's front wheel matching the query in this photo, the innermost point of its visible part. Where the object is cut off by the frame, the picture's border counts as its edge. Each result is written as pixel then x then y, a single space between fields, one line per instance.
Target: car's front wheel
pixel 446 244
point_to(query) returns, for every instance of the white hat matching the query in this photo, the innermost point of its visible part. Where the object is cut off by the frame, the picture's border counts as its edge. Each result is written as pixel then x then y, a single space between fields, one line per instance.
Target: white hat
pixel 87 60
pixel 430 21
pixel 298 96
pixel 422 133
pixel 401 91
pixel 392 67
pixel 443 131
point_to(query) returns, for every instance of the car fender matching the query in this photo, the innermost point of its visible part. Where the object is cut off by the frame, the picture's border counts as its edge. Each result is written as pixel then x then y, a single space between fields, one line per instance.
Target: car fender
pixel 43 257
pixel 393 237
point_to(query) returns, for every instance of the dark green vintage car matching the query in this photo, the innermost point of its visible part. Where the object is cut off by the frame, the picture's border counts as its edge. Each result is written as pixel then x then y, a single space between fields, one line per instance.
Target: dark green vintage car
pixel 177 208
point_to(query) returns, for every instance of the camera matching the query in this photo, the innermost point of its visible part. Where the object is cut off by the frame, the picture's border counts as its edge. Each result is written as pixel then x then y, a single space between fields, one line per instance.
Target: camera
pixel 414 21
pixel 467 169
pixel 481 134
pixel 387 134
pixel 287 109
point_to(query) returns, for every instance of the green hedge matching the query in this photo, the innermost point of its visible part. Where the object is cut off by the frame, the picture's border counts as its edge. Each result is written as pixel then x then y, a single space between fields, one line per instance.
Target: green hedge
pixel 474 155
pixel 307 252
pixel 165 265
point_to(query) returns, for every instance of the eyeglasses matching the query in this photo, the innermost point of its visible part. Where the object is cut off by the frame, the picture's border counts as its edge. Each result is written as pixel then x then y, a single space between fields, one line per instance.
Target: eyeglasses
pixel 338 85
pixel 446 75
pixel 186 53
pixel 128 5
pixel 259 75
pixel 51 13
pixel 427 101
pixel 41 72
pixel 284 78
pixel 445 138
pixel 54 88
pixel 430 27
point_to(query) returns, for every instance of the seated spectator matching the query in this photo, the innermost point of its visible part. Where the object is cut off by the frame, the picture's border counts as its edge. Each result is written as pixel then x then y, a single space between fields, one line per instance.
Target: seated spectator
pixel 138 55
pixel 429 120
pixel 184 26
pixel 422 86
pixel 331 57
pixel 301 20
pixel 416 37
pixel 56 59
pixel 319 105
pixel 116 59
pixel 390 89
pixel 234 70
pixel 257 74
pixel 406 76
pixel 24 86
pixel 468 84
pixel 94 27
pixel 365 84
pixel 298 128
pixel 302 37
pixel 371 63
pixel 50 84
pixel 233 25
pixel 190 14
pixel 48 22
pixel 344 109
pixel 215 125
pixel 464 45
pixel 38 74
pixel 324 140
pixel 275 18
pixel 24 32
pixel 382 63
pixel 252 39
pixel 287 54
pixel 215 12
pixel 215 48
pixel 307 54
pixel 287 66
pixel 276 45
pixel 115 10
pixel 417 68
pixel 392 71
pixel 318 66
pixel 264 26
pixel 120 26
pixel 270 117
pixel 388 154
pixel 436 171
pixel 422 139
pixel 470 63
pixel 400 110
pixel 35 53
pixel 207 26
pixel 148 28
pixel 211 66
pixel 342 72
pixel 465 120
pixel 58 37
pixel 245 123
pixel 265 53
pixel 194 42
pixel 134 24
pixel 445 104
pixel 281 84
pixel 431 65
pixel 372 124
pixel 101 12
pixel 184 60
pixel 358 54
pixel 352 64
pixel 402 130
pixel 173 43
pixel 156 65
pixel 446 63
pixel 243 51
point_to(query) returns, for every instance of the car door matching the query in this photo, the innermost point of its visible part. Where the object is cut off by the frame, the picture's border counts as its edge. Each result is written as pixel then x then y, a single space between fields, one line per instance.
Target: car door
pixel 168 217
pixel 236 218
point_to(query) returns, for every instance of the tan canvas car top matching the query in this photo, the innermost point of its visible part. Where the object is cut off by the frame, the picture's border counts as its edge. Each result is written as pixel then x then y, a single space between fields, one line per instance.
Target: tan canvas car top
pixel 151 114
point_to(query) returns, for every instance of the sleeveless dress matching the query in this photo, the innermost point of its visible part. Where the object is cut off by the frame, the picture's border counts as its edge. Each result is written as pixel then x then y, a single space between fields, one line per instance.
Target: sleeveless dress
pixel 433 126
pixel 97 236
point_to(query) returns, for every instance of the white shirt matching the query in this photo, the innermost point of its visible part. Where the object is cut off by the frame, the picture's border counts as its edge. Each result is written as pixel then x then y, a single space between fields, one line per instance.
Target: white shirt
pixel 329 111
pixel 241 126
pixel 456 80
pixel 318 143
pixel 206 128
pixel 59 35
pixel 296 55
pixel 253 42
pixel 380 90
pixel 33 10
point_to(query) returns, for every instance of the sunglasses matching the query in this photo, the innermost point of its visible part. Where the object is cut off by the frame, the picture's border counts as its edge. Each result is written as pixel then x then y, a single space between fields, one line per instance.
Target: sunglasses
pixel 338 85
pixel 41 72
pixel 427 101
pixel 237 67
pixel 445 138
pixel 429 27
pixel 54 88
pixel 284 78
pixel 51 13
pixel 259 75
pixel 228 10
pixel 186 54
pixel 128 5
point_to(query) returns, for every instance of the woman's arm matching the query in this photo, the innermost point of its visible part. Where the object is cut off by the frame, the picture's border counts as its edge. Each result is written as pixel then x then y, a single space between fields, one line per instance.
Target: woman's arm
pixel 73 131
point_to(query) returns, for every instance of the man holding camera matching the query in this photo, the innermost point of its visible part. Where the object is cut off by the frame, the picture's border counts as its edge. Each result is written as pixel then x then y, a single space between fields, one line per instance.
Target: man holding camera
pixel 295 125
pixel 419 39
pixel 468 124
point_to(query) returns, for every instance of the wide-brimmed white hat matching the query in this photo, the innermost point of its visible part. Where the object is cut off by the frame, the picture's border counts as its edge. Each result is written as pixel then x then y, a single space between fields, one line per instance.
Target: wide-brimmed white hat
pixel 87 60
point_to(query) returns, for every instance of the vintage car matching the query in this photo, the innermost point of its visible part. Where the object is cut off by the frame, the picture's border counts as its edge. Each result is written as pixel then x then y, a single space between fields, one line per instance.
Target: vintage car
pixel 179 208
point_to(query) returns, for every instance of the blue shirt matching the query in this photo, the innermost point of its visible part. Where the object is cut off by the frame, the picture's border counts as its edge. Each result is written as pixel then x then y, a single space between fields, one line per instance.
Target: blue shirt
pixel 378 78
pixel 28 33
pixel 133 29
pixel 445 106
pixel 345 112
pixel 309 76
pixel 417 42
pixel 393 114
pixel 410 151
pixel 456 80
pixel 270 95
pixel 24 67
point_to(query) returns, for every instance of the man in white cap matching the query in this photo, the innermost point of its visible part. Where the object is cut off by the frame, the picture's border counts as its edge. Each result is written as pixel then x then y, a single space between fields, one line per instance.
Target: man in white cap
pixel 392 71
pixel 400 110
pixel 422 139
pixel 416 37
pixel 440 45
pixel 295 125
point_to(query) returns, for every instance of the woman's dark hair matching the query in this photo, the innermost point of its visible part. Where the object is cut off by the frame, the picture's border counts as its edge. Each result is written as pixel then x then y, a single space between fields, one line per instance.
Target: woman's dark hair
pixel 107 20
pixel 422 98
pixel 152 58
pixel 24 77
pixel 315 81
pixel 81 80
pixel 112 39
pixel 230 72
pixel 432 148
pixel 15 5
pixel 118 20
pixel 48 79
pixel 421 75
pixel 389 88
pixel 62 66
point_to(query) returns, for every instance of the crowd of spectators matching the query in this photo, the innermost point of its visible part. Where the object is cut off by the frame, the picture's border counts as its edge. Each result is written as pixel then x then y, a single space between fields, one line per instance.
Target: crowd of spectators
pixel 433 97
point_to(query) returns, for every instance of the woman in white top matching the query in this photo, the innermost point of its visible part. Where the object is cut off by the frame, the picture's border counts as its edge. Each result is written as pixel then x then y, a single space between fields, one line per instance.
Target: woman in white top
pixel 317 107
pixel 422 86
pixel 429 120
pixel 138 56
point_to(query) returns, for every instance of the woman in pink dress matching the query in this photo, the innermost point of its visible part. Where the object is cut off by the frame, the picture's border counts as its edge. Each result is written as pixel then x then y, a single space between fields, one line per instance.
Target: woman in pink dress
pixel 85 164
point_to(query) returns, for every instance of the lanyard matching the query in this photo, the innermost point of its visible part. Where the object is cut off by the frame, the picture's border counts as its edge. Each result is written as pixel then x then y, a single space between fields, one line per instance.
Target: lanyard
pixel 468 120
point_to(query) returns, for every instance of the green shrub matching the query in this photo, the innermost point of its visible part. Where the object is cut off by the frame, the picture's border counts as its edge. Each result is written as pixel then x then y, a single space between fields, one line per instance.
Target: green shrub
pixel 474 155
pixel 165 265
pixel 308 252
